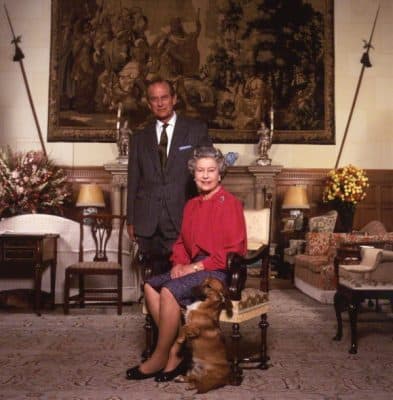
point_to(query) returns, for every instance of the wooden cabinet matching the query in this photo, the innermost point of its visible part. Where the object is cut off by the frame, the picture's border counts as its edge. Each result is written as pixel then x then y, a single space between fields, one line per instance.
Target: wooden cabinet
pixel 26 255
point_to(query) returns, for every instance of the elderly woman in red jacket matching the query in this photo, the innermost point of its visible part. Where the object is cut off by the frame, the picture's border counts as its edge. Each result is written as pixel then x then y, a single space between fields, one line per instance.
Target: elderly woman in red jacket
pixel 213 225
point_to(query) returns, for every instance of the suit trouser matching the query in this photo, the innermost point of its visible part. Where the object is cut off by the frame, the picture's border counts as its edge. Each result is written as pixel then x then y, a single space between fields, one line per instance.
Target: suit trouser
pixel 159 245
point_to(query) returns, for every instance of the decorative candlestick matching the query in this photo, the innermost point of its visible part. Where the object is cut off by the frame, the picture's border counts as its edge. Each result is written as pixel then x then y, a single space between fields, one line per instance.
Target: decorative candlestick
pixel 271 123
pixel 118 119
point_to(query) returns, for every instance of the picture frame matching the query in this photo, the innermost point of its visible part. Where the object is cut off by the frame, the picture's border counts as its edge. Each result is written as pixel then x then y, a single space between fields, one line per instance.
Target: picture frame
pixel 288 224
pixel 235 67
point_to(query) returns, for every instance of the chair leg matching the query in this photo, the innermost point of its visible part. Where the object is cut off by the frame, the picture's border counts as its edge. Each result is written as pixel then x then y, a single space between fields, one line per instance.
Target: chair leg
pixel 340 304
pixel 353 316
pixel 263 325
pixel 119 292
pixel 149 337
pixel 81 291
pixel 237 372
pixel 67 292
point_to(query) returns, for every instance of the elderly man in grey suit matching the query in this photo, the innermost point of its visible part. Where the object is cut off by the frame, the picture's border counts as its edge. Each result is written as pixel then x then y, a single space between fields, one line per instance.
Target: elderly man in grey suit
pixel 159 182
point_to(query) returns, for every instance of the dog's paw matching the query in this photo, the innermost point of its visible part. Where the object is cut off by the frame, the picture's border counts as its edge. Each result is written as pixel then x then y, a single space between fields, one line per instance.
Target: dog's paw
pixel 180 379
pixel 181 340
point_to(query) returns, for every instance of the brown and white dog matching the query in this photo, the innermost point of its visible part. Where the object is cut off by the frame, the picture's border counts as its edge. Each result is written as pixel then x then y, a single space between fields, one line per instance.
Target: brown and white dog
pixel 210 366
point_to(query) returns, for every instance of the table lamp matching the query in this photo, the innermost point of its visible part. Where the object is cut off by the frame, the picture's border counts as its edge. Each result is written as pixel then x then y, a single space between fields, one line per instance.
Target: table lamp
pixel 295 200
pixel 90 197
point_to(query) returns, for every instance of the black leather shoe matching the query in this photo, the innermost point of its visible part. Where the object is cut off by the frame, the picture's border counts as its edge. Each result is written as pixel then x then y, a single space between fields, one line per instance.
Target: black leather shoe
pixel 181 369
pixel 135 373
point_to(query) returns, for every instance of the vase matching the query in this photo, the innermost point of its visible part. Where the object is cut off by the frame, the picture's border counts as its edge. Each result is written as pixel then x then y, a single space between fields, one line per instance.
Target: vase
pixel 346 214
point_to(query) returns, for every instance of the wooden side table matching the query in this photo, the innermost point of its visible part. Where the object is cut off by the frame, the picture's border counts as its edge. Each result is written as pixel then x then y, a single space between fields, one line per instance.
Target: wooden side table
pixel 27 255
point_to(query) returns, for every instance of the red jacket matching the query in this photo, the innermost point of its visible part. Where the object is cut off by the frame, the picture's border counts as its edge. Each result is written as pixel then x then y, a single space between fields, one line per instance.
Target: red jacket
pixel 215 226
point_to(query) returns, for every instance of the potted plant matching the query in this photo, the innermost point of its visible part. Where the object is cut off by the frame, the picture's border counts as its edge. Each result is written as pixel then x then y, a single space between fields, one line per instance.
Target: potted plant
pixel 31 183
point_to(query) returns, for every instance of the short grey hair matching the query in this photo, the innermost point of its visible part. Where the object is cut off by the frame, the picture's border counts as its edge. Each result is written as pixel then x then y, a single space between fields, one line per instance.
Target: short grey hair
pixel 208 152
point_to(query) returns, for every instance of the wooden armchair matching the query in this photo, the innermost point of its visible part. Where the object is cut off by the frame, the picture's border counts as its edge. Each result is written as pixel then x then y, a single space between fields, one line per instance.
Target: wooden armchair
pixel 248 303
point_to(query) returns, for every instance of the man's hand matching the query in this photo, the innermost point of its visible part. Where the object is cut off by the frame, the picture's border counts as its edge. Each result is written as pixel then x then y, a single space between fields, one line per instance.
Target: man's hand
pixel 130 231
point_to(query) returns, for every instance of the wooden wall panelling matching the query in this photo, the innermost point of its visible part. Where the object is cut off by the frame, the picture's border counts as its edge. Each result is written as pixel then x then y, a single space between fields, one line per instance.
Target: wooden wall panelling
pixel 377 205
pixel 379 201
pixel 240 183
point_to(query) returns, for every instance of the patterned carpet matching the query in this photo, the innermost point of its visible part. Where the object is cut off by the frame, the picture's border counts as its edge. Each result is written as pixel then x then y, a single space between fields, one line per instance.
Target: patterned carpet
pixel 84 356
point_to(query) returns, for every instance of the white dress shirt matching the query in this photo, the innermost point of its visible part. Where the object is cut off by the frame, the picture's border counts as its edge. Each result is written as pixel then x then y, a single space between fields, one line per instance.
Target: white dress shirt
pixel 169 130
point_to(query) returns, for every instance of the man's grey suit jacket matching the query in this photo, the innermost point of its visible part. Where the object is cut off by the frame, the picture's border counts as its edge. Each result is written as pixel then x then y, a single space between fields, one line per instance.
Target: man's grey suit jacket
pixel 150 189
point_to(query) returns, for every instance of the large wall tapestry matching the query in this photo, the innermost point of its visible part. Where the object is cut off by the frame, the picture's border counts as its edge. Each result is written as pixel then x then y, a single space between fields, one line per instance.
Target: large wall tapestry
pixel 230 61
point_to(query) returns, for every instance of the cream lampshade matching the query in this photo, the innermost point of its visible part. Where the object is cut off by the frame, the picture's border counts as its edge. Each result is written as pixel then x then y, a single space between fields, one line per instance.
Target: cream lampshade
pixel 295 199
pixel 90 197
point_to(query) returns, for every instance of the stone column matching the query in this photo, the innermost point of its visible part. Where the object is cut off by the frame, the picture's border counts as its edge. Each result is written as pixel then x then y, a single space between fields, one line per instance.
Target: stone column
pixel 265 187
pixel 119 187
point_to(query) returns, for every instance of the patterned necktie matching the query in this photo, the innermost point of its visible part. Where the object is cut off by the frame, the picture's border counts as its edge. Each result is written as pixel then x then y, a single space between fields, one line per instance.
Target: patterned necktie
pixel 162 146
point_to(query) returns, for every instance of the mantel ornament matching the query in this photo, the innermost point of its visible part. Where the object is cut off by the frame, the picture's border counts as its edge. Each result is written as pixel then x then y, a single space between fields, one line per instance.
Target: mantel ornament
pixel 265 141
pixel 123 137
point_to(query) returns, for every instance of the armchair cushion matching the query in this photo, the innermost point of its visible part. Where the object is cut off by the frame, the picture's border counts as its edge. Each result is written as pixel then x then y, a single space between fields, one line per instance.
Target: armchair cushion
pixel 323 223
pixel 252 304
pixel 312 263
pixel 258 226
pixel 317 243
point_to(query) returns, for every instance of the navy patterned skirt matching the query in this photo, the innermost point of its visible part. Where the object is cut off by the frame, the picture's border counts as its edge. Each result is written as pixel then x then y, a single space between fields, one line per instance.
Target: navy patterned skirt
pixel 181 288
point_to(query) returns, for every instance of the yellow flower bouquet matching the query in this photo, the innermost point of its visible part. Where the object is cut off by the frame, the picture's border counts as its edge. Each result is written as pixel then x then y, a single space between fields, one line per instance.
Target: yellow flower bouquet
pixel 345 187
pixel 347 184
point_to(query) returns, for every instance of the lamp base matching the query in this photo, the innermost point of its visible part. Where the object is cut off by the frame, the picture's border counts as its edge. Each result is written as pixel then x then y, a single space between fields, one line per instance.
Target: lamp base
pixel 295 213
pixel 89 211
pixel 299 222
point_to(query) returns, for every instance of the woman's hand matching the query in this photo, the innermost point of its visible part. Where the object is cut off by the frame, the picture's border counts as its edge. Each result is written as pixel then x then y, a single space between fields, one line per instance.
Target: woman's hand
pixel 180 270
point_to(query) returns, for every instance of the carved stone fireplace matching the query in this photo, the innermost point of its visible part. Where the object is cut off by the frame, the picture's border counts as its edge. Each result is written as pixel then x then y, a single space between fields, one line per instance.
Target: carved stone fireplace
pixel 251 184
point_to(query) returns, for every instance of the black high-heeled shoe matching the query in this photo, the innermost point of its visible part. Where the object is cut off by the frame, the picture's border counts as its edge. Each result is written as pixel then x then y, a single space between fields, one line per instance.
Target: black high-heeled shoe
pixel 135 373
pixel 181 369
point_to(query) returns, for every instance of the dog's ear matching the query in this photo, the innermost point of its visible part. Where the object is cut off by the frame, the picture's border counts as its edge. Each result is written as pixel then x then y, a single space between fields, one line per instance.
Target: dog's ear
pixel 227 302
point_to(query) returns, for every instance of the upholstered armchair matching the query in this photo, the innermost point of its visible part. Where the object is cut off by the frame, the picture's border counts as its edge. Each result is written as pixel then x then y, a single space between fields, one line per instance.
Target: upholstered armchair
pixel 248 302
pixel 369 276
pixel 314 270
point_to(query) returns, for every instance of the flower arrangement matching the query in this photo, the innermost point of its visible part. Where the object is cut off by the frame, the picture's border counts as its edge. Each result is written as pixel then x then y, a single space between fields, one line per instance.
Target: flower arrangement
pixel 346 185
pixel 31 183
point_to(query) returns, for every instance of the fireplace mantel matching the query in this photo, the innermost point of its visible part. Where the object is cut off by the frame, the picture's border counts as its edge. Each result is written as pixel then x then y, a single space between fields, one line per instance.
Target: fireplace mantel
pixel 252 184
